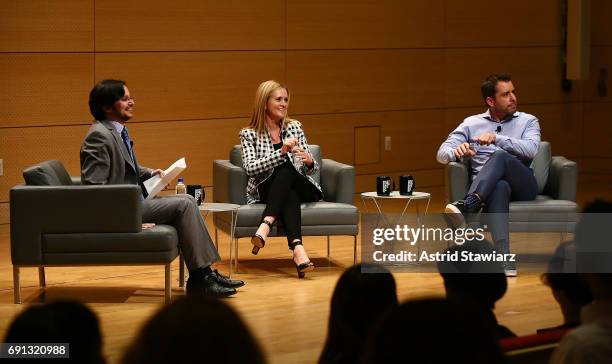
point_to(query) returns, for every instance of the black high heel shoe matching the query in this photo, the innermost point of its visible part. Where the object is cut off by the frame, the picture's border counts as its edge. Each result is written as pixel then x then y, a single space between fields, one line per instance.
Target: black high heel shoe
pixel 301 268
pixel 258 241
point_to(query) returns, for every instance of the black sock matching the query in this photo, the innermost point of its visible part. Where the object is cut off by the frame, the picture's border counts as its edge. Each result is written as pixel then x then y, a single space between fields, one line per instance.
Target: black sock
pixel 200 272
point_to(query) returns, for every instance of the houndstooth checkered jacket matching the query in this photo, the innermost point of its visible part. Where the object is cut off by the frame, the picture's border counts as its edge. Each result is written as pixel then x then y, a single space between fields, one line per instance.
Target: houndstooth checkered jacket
pixel 260 158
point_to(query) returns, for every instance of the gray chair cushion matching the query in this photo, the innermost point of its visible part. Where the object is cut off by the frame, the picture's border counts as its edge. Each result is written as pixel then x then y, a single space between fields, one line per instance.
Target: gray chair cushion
pixel 320 230
pixel 541 165
pixel 313 213
pixel 543 214
pixel 157 239
pixel 48 173
pixel 543 205
pixel 318 219
pixel 111 258
pixel 235 158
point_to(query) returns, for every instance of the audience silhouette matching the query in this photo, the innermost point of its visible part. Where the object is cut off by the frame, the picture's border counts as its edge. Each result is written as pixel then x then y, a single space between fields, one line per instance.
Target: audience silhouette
pixel 194 329
pixel 358 302
pixel 433 331
pixel 476 283
pixel 60 322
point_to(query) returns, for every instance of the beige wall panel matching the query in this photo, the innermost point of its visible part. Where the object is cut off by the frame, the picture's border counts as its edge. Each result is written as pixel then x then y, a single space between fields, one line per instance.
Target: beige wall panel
pixel 333 132
pixel 340 81
pixel 346 24
pixel 23 147
pixel 423 179
pixel 367 144
pixel 561 125
pixel 192 85
pixel 601 75
pixel 601 167
pixel 536 74
pixel 45 89
pixel 601 32
pixel 159 144
pixel 597 133
pixel 454 117
pixel 518 23
pixel 4 213
pixel 415 137
pixel 186 25
pixel 46 26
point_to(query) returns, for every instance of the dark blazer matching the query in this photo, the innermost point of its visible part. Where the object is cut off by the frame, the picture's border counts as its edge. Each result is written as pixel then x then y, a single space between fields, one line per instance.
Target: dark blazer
pixel 106 160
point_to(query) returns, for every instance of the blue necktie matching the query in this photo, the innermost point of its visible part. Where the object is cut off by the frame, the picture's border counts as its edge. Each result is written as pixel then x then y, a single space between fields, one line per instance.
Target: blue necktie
pixel 128 142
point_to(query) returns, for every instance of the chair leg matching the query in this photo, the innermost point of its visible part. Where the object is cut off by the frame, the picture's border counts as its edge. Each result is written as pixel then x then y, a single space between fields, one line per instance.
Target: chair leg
pixel 236 248
pixel 181 270
pixel 42 282
pixel 328 247
pixel 16 285
pixel 233 262
pixel 355 249
pixel 168 283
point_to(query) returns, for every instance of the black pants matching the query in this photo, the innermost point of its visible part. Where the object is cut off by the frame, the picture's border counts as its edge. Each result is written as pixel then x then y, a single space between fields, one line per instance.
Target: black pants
pixel 283 193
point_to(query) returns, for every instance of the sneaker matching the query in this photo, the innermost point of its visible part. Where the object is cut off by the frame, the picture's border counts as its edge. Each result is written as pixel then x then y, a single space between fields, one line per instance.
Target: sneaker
pixel 454 214
pixel 510 269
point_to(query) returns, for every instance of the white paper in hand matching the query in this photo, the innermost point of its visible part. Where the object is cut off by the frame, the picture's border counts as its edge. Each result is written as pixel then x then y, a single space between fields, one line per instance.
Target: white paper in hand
pixel 157 183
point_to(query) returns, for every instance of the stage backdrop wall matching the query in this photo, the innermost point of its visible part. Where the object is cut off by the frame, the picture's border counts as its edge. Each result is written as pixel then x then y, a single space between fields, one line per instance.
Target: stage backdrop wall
pixel 358 71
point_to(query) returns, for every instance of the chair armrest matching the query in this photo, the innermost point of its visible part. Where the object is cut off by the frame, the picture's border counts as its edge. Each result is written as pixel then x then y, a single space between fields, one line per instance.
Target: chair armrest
pixel 562 179
pixel 457 180
pixel 38 210
pixel 337 181
pixel 229 182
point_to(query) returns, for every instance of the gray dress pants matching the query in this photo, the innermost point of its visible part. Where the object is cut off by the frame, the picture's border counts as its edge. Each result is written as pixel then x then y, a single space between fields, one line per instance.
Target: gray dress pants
pixel 182 212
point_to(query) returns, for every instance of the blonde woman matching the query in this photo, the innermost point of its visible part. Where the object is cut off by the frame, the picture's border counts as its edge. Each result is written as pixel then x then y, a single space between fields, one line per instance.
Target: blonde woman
pixel 278 162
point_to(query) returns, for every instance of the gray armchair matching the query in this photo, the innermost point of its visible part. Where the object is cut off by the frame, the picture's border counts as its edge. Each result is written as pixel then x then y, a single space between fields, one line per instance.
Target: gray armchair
pixel 335 215
pixel 553 210
pixel 55 221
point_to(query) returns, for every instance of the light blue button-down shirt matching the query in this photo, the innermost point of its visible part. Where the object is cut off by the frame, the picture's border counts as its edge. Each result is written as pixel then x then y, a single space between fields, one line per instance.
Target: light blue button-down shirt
pixel 518 134
pixel 118 126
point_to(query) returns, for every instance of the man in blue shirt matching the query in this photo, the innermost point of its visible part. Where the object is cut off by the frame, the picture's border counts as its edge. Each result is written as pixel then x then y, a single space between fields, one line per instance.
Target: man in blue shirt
pixel 501 144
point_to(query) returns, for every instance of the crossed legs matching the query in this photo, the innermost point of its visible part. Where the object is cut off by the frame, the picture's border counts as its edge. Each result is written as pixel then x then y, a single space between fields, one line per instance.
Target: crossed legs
pixel 283 193
pixel 502 179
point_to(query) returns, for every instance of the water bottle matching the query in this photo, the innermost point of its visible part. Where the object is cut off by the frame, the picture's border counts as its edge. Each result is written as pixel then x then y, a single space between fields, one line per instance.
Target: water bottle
pixel 297 161
pixel 180 187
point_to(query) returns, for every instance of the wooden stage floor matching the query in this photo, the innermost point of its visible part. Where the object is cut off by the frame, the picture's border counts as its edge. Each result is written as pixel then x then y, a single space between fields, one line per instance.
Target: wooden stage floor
pixel 287 315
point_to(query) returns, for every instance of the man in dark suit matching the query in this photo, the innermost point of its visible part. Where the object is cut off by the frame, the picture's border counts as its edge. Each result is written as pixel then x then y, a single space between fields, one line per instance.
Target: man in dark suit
pixel 107 157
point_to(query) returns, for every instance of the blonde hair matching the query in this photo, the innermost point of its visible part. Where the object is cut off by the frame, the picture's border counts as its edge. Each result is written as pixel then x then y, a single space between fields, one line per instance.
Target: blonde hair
pixel 258 117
